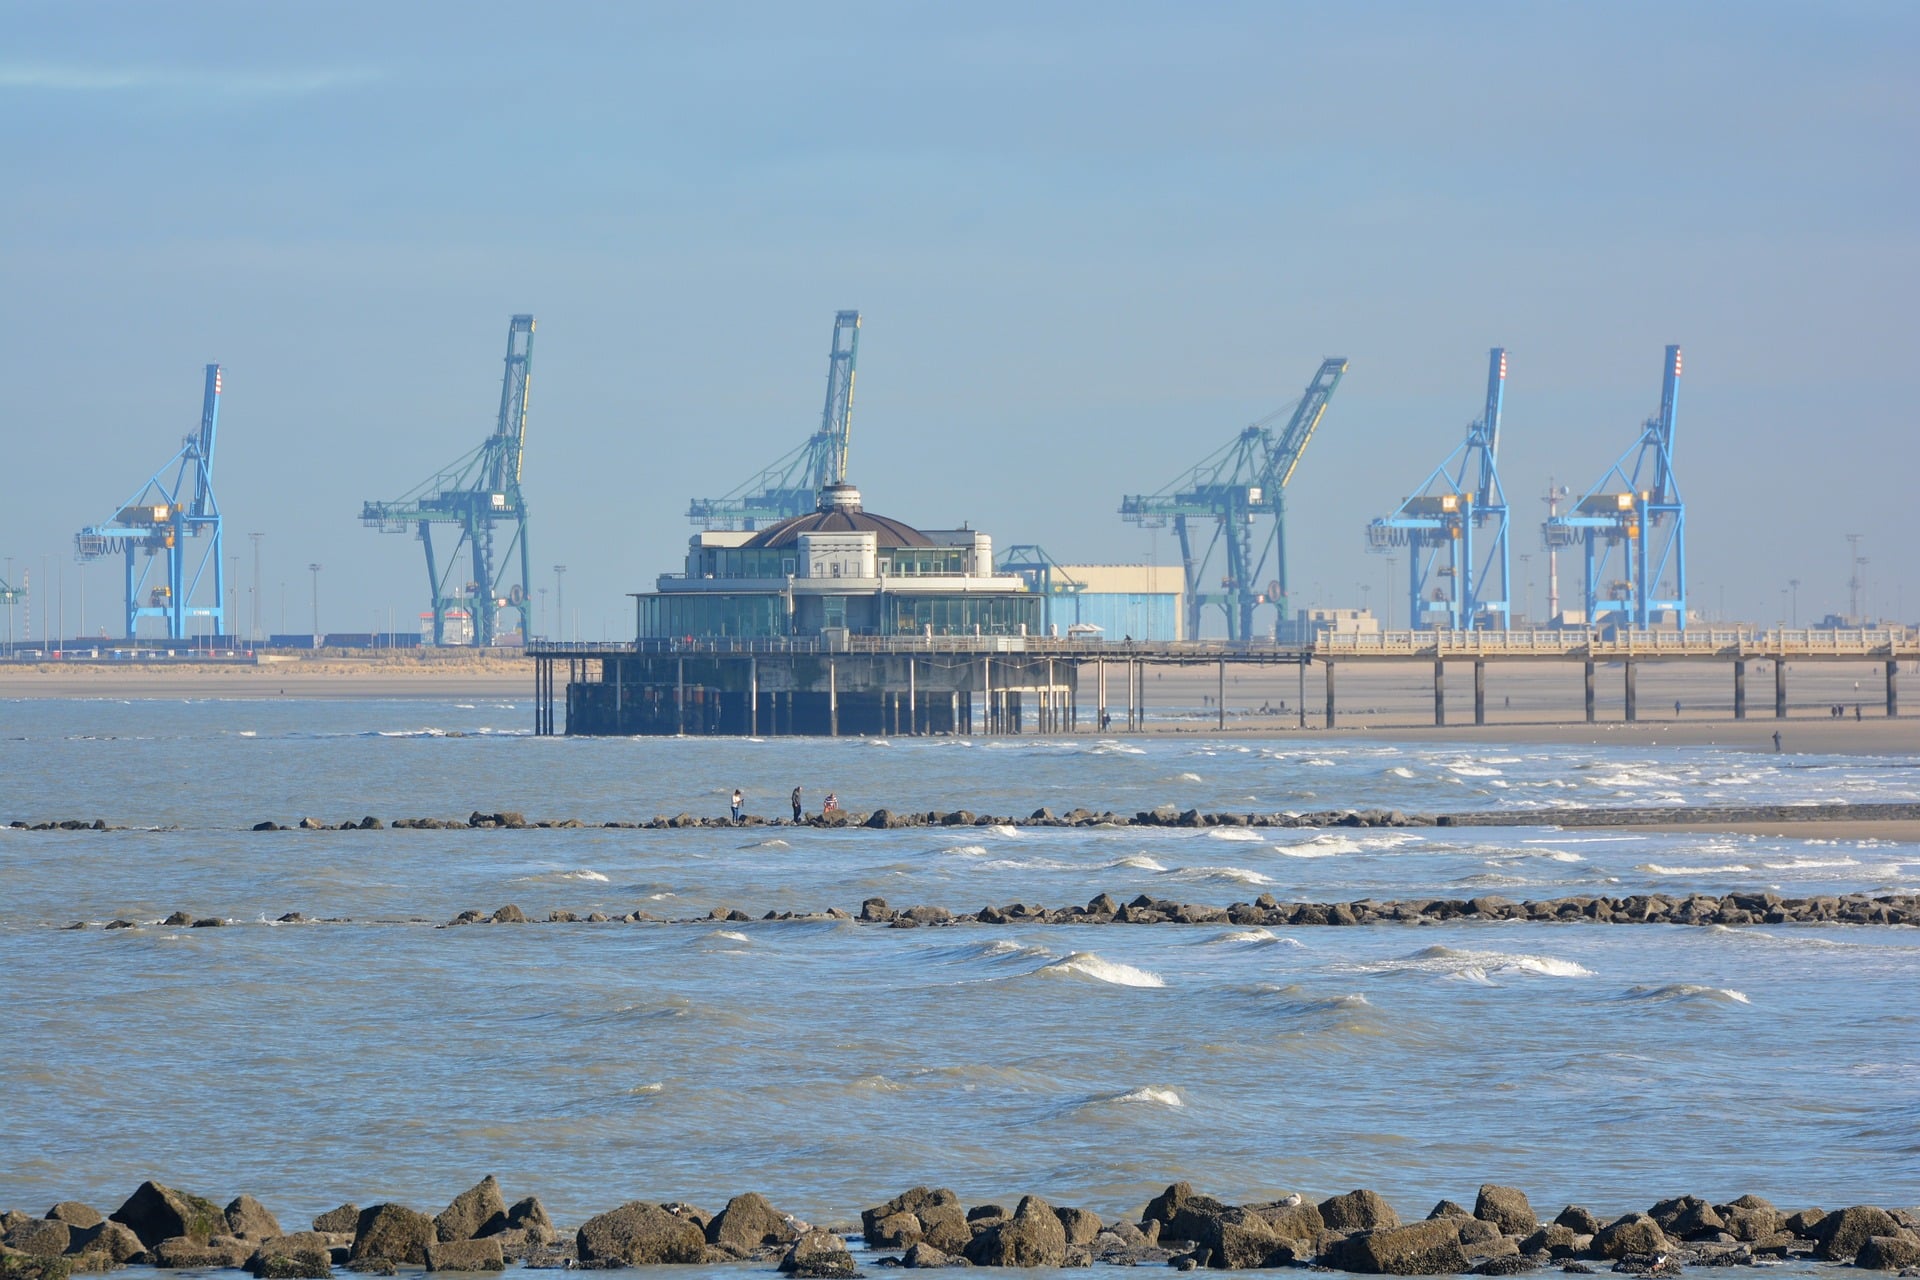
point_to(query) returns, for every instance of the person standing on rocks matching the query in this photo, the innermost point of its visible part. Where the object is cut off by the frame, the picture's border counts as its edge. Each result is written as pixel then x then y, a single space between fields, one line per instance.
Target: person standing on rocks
pixel 831 803
pixel 738 800
pixel 796 804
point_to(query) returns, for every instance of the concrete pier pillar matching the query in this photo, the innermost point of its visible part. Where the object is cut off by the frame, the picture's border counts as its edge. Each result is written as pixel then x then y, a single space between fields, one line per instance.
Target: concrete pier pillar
pixel 1893 688
pixel 1628 670
pixel 1329 695
pixel 1099 694
pixel 1589 691
pixel 833 699
pixel 1779 690
pixel 1740 689
pixel 680 696
pixel 1439 692
pixel 753 697
pixel 1479 691
pixel 913 701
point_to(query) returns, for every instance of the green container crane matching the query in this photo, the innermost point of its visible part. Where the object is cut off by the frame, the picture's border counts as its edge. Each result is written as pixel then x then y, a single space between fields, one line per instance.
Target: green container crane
pixel 476 494
pixel 1234 487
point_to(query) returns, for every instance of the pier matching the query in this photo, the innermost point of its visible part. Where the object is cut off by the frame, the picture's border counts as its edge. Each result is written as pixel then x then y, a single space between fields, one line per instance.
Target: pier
pixel 990 685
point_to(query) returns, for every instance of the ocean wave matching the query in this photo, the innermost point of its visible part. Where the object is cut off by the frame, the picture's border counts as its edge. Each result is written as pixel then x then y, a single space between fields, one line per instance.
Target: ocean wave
pixel 642 1090
pixel 1255 937
pixel 1656 869
pixel 1232 875
pixel 1006 832
pixel 1685 991
pixel 1400 771
pixel 1156 1095
pixel 1095 968
pixel 1321 847
pixel 1809 864
pixel 1234 833
pixel 729 935
pixel 1186 777
pixel 1137 861
pixel 966 851
pixel 775 843
pixel 584 873
pixel 1445 960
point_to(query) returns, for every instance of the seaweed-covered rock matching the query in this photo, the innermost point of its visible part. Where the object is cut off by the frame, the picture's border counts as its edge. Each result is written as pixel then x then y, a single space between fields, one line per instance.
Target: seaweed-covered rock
pixel 1032 1237
pixel 391 1233
pixel 1506 1208
pixel 479 1210
pixel 466 1255
pixel 1360 1210
pixel 248 1219
pixel 1841 1233
pixel 1427 1248
pixel 640 1234
pixel 1635 1233
pixel 818 1255
pixel 156 1213
pixel 341 1221
pixel 747 1224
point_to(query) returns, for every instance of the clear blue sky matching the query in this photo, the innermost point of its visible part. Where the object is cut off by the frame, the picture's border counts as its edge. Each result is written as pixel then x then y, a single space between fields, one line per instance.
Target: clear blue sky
pixel 1090 241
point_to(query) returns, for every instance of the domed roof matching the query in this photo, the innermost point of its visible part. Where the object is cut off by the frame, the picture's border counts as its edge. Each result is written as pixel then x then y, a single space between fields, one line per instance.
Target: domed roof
pixel 840 512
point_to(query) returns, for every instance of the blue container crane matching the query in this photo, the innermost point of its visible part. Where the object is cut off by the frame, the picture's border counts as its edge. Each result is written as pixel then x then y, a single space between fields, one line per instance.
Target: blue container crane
pixel 791 486
pixel 1455 529
pixel 1233 487
pixel 1635 513
pixel 157 520
pixel 477 493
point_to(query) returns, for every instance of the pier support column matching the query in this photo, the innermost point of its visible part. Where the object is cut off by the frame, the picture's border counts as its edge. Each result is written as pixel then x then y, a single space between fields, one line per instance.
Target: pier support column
pixel 1633 703
pixel 1439 692
pixel 1589 691
pixel 1479 691
pixel 913 702
pixel 753 697
pixel 1329 695
pixel 1893 688
pixel 1779 689
pixel 1099 696
pixel 1740 689
pixel 680 696
pixel 833 699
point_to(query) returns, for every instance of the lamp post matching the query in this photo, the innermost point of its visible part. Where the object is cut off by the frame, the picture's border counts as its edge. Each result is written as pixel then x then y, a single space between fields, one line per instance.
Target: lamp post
pixel 314 569
pixel 1795 584
pixel 1526 574
pixel 560 601
pixel 254 538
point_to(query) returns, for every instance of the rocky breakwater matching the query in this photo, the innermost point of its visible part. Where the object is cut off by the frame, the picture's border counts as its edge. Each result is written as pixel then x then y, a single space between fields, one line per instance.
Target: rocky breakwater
pixel 1359 1231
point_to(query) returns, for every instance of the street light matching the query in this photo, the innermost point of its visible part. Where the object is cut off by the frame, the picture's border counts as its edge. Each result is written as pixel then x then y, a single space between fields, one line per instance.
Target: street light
pixel 1795 584
pixel 560 600
pixel 254 538
pixel 314 569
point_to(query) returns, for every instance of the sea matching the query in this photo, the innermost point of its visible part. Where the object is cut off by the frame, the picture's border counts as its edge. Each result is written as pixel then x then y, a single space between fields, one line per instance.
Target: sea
pixel 369 1053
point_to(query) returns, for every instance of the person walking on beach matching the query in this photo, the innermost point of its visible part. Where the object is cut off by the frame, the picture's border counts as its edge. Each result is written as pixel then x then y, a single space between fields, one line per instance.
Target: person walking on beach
pixel 738 800
pixel 796 804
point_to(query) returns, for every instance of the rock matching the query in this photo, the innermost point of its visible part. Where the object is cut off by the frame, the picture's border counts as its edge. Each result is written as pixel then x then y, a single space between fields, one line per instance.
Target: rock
pixel 41 1237
pixel 925 1255
pixel 509 914
pixel 1841 1233
pixel 530 1215
pixel 638 1234
pixel 876 911
pixel 818 1254
pixel 1805 1223
pixel 1301 1223
pixel 1238 1239
pixel 1487 1250
pixel 1164 1206
pixel 1511 1264
pixel 391 1233
pixel 1474 1230
pixel 1750 1218
pixel 1507 1209
pixel 1032 1237
pixel 1698 1221
pixel 1888 1253
pixel 304 1255
pixel 1555 1240
pixel 1578 1220
pixel 477 1211
pixel 748 1223
pixel 911 1203
pixel 466 1255
pixel 178 1252
pixel 1360 1210
pixel 249 1219
pixel 1080 1225
pixel 1669 1212
pixel 1635 1233
pixel 113 1240
pixel 75 1214
pixel 157 1213
pixel 339 1221
pixel 1448 1209
pixel 1427 1248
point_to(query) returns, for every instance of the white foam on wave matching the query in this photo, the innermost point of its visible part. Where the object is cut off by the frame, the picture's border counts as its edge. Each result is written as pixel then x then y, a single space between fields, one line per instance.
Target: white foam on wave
pixel 640 1090
pixel 1473 771
pixel 1006 832
pixel 1809 864
pixel 1255 937
pixel 246 733
pixel 1686 991
pixel 1233 875
pixel 1321 847
pixel 729 935
pixel 1400 771
pixel 1085 964
pixel 1234 833
pixel 1187 777
pixel 583 873
pixel 966 851
pixel 775 843
pixel 1160 1097
pixel 1138 861
pixel 1446 961
pixel 1656 869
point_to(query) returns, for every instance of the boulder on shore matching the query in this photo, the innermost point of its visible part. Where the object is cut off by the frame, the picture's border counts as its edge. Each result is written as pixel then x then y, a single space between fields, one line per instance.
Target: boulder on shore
pixel 248 1219
pixel 156 1213
pixel 747 1224
pixel 1507 1209
pixel 392 1233
pixel 1428 1248
pixel 1032 1237
pixel 479 1210
pixel 638 1234
pixel 818 1255
pixel 1360 1210
pixel 466 1255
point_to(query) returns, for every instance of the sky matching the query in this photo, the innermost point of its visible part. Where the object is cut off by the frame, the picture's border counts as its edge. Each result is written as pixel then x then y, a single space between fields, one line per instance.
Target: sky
pixel 1089 241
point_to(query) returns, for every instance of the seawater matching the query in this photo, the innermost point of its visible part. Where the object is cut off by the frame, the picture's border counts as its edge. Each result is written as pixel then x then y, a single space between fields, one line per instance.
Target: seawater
pixel 372 1055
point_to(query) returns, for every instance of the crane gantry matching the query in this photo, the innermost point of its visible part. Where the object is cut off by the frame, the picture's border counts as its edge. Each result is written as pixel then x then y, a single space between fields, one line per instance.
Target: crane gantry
pixel 792 485
pixel 476 493
pixel 1233 487
pixel 1455 529
pixel 1635 510
pixel 157 520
